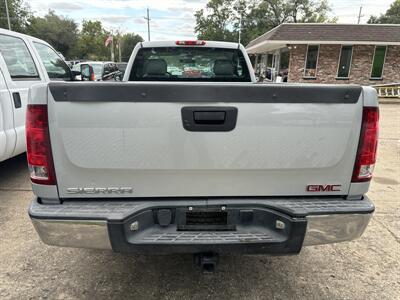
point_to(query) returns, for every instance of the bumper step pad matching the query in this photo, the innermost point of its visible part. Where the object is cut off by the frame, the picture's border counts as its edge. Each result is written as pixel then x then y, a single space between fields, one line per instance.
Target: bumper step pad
pixel 218 237
pixel 119 210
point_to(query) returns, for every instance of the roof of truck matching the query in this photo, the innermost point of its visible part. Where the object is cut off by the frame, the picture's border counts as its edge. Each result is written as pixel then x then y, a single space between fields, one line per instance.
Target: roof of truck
pixel 20 35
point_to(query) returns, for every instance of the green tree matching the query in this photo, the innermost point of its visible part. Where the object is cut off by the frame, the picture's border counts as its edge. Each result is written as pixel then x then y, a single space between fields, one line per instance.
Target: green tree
pixel 221 18
pixel 306 11
pixel 127 42
pixel 61 33
pixel 91 41
pixel 392 15
pixel 19 14
pixel 213 23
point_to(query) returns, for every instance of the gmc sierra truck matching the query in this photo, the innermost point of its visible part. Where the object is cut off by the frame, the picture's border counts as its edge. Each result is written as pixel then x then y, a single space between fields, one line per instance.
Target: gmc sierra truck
pixel 190 155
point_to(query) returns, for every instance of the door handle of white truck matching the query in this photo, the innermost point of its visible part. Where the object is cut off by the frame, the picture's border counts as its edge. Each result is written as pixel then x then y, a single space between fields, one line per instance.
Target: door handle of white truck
pixel 17 100
pixel 209 118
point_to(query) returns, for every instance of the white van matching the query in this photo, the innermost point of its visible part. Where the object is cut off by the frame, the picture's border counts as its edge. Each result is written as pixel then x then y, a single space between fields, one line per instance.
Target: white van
pixel 24 61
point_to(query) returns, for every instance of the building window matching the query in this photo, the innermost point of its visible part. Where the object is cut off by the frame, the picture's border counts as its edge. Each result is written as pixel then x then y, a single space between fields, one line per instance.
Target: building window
pixel 270 57
pixel 311 61
pixel 284 63
pixel 346 54
pixel 379 60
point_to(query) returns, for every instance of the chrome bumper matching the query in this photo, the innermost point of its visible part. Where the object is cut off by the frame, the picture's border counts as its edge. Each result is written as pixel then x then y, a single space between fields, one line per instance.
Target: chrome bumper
pixel 73 233
pixel 321 229
pixel 327 229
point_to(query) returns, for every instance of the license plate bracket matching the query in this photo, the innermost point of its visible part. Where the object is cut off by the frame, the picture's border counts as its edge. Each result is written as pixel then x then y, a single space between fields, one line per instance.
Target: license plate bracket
pixel 204 219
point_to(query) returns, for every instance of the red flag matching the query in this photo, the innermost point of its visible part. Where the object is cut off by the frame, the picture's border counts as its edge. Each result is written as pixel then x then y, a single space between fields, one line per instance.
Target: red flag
pixel 108 40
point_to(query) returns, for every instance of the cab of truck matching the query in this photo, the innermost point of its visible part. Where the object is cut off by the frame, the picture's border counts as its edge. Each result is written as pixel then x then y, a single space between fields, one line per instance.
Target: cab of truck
pixel 24 62
pixel 189 61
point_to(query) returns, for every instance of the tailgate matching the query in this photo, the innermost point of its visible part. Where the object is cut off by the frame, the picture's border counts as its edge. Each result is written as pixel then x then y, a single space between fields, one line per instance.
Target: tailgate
pixel 130 140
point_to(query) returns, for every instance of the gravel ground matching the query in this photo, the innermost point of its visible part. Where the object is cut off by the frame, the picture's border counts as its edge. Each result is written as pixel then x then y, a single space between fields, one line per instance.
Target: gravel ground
pixel 367 268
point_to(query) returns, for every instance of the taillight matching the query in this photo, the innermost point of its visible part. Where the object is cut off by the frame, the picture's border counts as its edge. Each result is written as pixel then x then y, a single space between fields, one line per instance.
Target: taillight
pixel 40 160
pixel 190 43
pixel 366 154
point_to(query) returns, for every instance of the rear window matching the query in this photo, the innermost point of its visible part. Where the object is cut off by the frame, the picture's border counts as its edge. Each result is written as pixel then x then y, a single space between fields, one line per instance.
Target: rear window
pixel 189 64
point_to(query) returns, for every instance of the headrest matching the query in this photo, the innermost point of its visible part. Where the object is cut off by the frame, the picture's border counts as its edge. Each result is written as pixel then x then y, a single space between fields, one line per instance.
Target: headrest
pixel 223 67
pixel 155 67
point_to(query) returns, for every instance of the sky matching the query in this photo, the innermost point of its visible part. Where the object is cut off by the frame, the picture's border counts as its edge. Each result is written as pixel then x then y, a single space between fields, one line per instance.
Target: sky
pixel 173 19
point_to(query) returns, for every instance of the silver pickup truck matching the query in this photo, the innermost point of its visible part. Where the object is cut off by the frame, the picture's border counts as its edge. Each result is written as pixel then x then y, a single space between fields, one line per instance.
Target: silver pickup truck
pixel 189 155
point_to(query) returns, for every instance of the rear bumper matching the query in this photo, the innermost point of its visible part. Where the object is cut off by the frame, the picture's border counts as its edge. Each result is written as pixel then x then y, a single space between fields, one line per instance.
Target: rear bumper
pixel 276 226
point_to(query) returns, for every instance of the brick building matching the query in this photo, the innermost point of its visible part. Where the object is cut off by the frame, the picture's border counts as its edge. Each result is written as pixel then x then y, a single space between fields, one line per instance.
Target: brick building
pixel 328 53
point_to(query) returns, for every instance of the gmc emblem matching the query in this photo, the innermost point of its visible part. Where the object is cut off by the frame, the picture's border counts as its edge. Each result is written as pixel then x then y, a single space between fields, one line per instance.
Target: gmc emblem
pixel 323 188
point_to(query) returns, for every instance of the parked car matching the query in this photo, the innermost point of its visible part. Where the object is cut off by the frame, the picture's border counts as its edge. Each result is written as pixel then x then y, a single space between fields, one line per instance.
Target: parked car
pixel 121 68
pixel 103 71
pixel 72 63
pixel 24 61
pixel 200 162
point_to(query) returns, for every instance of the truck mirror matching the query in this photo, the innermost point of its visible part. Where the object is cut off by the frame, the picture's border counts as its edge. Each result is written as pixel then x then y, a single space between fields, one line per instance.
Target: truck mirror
pixel 75 75
pixel 87 72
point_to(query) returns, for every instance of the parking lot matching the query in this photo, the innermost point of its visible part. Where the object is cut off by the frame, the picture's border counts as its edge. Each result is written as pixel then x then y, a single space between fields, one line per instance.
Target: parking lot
pixel 368 268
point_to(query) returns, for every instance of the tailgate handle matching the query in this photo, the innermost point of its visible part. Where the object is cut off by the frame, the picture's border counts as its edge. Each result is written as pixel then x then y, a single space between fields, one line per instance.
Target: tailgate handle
pixel 209 117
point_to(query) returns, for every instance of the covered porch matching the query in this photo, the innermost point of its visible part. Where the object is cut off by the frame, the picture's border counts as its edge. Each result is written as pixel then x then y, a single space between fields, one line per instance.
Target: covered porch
pixel 270 62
